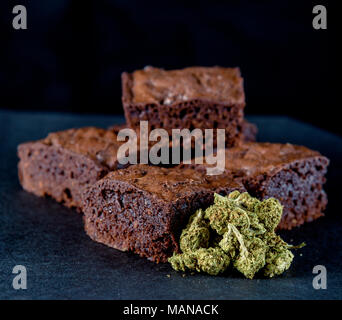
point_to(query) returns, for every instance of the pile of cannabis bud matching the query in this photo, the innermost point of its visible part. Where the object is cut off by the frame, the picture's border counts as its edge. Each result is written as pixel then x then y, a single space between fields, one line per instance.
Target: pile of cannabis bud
pixel 236 230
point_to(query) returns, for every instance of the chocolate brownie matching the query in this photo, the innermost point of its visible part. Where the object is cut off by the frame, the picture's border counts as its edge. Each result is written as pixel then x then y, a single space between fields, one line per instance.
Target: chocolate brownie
pixel 144 208
pixel 293 174
pixel 196 97
pixel 64 162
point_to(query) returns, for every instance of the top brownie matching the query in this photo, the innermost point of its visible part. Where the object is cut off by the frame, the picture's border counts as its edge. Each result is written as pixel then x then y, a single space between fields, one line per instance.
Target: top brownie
pixel 153 85
pixel 196 97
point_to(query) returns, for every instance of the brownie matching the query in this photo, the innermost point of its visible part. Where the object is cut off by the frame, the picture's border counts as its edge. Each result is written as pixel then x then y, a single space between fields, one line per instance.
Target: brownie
pixel 144 208
pixel 64 162
pixel 195 97
pixel 293 174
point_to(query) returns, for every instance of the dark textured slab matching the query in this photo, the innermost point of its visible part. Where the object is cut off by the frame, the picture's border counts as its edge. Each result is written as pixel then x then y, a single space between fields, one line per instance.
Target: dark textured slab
pixel 63 263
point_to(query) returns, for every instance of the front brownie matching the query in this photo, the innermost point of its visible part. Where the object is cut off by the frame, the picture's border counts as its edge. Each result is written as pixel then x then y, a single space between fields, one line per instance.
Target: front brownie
pixel 293 174
pixel 64 162
pixel 143 208
pixel 196 97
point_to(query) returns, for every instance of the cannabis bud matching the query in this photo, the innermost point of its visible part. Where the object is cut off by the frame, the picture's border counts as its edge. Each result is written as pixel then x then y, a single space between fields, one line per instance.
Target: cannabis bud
pixel 237 230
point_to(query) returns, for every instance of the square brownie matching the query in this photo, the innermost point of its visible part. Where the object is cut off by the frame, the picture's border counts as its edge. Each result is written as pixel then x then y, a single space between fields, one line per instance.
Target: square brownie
pixel 195 97
pixel 64 162
pixel 293 174
pixel 144 208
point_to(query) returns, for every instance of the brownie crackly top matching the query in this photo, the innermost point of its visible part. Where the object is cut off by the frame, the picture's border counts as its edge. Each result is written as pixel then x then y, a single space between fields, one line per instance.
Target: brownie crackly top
pixel 153 85
pixel 98 144
pixel 257 158
pixel 169 184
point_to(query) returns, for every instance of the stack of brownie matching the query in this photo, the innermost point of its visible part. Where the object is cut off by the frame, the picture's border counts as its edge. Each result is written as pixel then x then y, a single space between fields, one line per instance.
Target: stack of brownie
pixel 143 208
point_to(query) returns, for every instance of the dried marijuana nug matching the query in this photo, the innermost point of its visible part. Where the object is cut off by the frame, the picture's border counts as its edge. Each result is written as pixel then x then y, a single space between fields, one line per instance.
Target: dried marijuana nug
pixel 237 230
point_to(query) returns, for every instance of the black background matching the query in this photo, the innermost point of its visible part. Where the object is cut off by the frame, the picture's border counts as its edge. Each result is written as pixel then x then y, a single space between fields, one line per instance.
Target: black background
pixel 72 54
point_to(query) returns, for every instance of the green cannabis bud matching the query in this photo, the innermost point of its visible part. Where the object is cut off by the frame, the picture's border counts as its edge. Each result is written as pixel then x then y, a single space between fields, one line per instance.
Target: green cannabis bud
pixel 210 260
pixel 237 230
pixel 196 234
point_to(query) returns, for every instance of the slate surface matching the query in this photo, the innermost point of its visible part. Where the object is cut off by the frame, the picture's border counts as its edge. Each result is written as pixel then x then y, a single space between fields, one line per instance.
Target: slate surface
pixel 63 263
